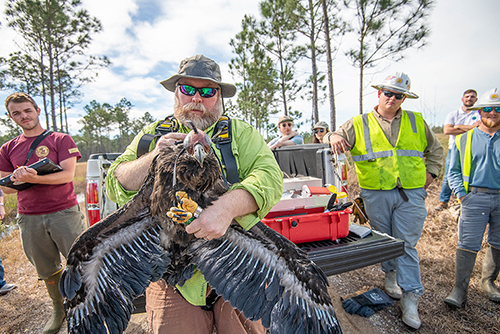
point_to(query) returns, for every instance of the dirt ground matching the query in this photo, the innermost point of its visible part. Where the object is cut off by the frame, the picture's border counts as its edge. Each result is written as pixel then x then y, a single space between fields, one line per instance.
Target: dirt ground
pixel 27 308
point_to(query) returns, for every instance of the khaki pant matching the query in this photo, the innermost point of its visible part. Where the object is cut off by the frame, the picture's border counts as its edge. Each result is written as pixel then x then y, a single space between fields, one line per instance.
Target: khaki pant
pixel 45 236
pixel 168 312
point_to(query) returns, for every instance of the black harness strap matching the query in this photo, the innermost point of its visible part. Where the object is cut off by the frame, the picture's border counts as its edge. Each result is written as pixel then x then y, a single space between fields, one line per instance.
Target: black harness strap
pixel 222 140
pixel 223 144
pixel 35 143
pixel 169 124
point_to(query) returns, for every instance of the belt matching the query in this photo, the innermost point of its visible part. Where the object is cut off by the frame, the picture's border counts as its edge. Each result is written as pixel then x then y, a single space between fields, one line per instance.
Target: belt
pixel 484 190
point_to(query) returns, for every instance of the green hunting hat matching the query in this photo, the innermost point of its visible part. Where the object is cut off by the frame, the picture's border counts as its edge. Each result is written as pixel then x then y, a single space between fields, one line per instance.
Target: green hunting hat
pixel 200 67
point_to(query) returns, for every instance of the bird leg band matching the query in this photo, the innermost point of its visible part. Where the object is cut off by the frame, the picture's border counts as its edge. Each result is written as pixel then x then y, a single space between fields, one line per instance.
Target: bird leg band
pixel 185 211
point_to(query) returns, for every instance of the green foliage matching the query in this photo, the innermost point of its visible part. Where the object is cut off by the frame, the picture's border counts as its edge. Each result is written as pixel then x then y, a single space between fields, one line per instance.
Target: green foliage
pixel 255 101
pixel 51 62
pixel 385 29
pixel 277 34
pixel 12 129
pixel 102 121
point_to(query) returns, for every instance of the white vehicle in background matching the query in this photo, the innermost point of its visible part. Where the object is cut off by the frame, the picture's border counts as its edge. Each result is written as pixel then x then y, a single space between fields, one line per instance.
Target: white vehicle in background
pixel 97 203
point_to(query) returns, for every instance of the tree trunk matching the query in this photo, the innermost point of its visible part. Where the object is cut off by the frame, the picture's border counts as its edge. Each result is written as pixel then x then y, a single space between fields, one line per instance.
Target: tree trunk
pixel 329 63
pixel 314 68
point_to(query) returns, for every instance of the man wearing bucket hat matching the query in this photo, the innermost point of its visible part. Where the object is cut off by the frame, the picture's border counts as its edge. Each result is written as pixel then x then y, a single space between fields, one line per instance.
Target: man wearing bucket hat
pixel 320 129
pixel 198 97
pixel 288 136
pixel 456 123
pixel 474 177
pixel 388 146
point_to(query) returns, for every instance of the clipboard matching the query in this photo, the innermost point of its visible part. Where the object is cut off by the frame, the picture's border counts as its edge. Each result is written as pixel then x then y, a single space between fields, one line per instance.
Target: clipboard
pixel 43 167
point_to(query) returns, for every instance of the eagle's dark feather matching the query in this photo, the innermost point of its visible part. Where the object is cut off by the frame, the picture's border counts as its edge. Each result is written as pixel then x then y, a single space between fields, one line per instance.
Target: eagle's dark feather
pixel 258 271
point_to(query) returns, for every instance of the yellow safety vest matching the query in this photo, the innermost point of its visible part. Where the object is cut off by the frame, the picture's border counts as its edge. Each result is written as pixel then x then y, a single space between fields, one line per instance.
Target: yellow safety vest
pixel 379 164
pixel 465 156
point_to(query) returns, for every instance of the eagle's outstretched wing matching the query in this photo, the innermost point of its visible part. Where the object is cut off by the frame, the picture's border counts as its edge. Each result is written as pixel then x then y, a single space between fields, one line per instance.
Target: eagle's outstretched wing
pixel 259 272
pixel 110 264
pixel 267 277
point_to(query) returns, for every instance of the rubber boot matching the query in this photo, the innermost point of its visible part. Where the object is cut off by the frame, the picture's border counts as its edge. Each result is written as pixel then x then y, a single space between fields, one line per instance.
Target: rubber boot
pixel 464 263
pixel 409 307
pixel 58 314
pixel 391 285
pixel 491 268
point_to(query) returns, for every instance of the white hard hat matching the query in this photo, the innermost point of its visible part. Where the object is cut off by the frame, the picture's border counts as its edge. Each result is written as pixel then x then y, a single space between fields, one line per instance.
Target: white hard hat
pixel 399 82
pixel 489 99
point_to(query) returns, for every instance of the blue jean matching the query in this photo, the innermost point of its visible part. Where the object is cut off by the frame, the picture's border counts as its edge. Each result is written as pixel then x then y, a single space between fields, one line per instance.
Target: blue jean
pixel 2 273
pixel 389 213
pixel 445 194
pixel 479 210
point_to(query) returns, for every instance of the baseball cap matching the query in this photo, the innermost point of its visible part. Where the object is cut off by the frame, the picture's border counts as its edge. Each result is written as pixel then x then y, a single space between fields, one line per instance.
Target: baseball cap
pixel 285 119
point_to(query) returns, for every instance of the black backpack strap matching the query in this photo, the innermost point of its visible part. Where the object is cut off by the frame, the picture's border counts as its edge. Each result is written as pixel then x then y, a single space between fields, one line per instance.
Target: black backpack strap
pixel 169 124
pixel 222 142
pixel 35 143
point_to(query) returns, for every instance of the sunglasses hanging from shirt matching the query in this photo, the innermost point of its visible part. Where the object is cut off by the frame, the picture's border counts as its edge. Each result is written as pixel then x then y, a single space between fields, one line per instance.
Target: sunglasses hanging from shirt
pixel 204 92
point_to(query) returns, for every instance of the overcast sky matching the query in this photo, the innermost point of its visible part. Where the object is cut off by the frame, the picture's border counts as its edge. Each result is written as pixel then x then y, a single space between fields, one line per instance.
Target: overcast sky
pixel 145 41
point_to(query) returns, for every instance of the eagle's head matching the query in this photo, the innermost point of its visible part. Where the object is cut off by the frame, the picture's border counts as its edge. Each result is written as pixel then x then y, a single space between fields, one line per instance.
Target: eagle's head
pixel 197 143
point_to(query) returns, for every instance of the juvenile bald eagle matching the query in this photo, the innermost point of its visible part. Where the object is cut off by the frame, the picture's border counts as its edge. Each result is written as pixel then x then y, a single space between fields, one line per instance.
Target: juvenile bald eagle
pixel 258 271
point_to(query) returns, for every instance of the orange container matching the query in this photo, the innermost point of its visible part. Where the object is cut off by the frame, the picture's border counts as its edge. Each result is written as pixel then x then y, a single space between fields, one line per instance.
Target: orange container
pixel 307 225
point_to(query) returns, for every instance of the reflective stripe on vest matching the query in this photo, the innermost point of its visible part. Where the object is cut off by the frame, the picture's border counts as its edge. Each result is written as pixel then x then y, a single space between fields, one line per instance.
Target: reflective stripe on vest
pixel 464 148
pixel 379 164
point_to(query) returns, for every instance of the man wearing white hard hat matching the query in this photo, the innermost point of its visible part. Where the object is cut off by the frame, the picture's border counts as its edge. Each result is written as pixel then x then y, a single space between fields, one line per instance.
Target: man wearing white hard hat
pixel 388 147
pixel 474 177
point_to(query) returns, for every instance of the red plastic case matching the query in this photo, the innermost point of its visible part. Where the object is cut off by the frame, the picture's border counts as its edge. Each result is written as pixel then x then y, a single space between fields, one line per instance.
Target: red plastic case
pixel 306 225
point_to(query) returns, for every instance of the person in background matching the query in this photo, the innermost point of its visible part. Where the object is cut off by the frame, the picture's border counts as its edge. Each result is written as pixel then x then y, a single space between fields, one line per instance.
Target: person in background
pixel 4 286
pixel 288 136
pixel 456 123
pixel 319 131
pixel 49 216
pixel 474 177
pixel 396 156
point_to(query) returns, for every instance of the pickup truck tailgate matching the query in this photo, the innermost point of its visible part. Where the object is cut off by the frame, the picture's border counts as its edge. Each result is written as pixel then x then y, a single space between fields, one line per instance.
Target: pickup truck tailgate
pixel 352 252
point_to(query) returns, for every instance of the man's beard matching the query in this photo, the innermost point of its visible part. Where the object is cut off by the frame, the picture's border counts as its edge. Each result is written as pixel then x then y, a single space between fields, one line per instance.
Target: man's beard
pixel 27 127
pixel 203 121
pixel 490 123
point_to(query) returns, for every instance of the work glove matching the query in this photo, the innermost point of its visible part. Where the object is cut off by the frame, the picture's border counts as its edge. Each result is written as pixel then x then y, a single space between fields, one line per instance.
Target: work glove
pixel 340 206
pixel 367 303
pixel 185 210
pixel 359 212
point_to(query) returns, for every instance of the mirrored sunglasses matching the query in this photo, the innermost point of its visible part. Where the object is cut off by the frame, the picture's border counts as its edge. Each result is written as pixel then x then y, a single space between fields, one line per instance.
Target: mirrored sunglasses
pixel 389 94
pixel 318 130
pixel 204 92
pixel 489 109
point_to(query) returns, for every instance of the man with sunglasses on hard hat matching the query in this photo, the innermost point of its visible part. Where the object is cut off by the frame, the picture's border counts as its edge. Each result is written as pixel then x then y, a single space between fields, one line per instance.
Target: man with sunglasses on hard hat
pixel 388 147
pixel 198 98
pixel 474 176
pixel 288 136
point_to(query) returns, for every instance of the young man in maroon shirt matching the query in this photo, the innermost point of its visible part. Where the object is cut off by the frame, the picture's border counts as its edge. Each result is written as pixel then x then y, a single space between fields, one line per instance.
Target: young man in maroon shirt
pixel 48 213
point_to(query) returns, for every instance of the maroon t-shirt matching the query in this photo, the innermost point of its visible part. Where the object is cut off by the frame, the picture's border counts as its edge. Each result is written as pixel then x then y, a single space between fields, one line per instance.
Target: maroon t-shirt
pixel 41 198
